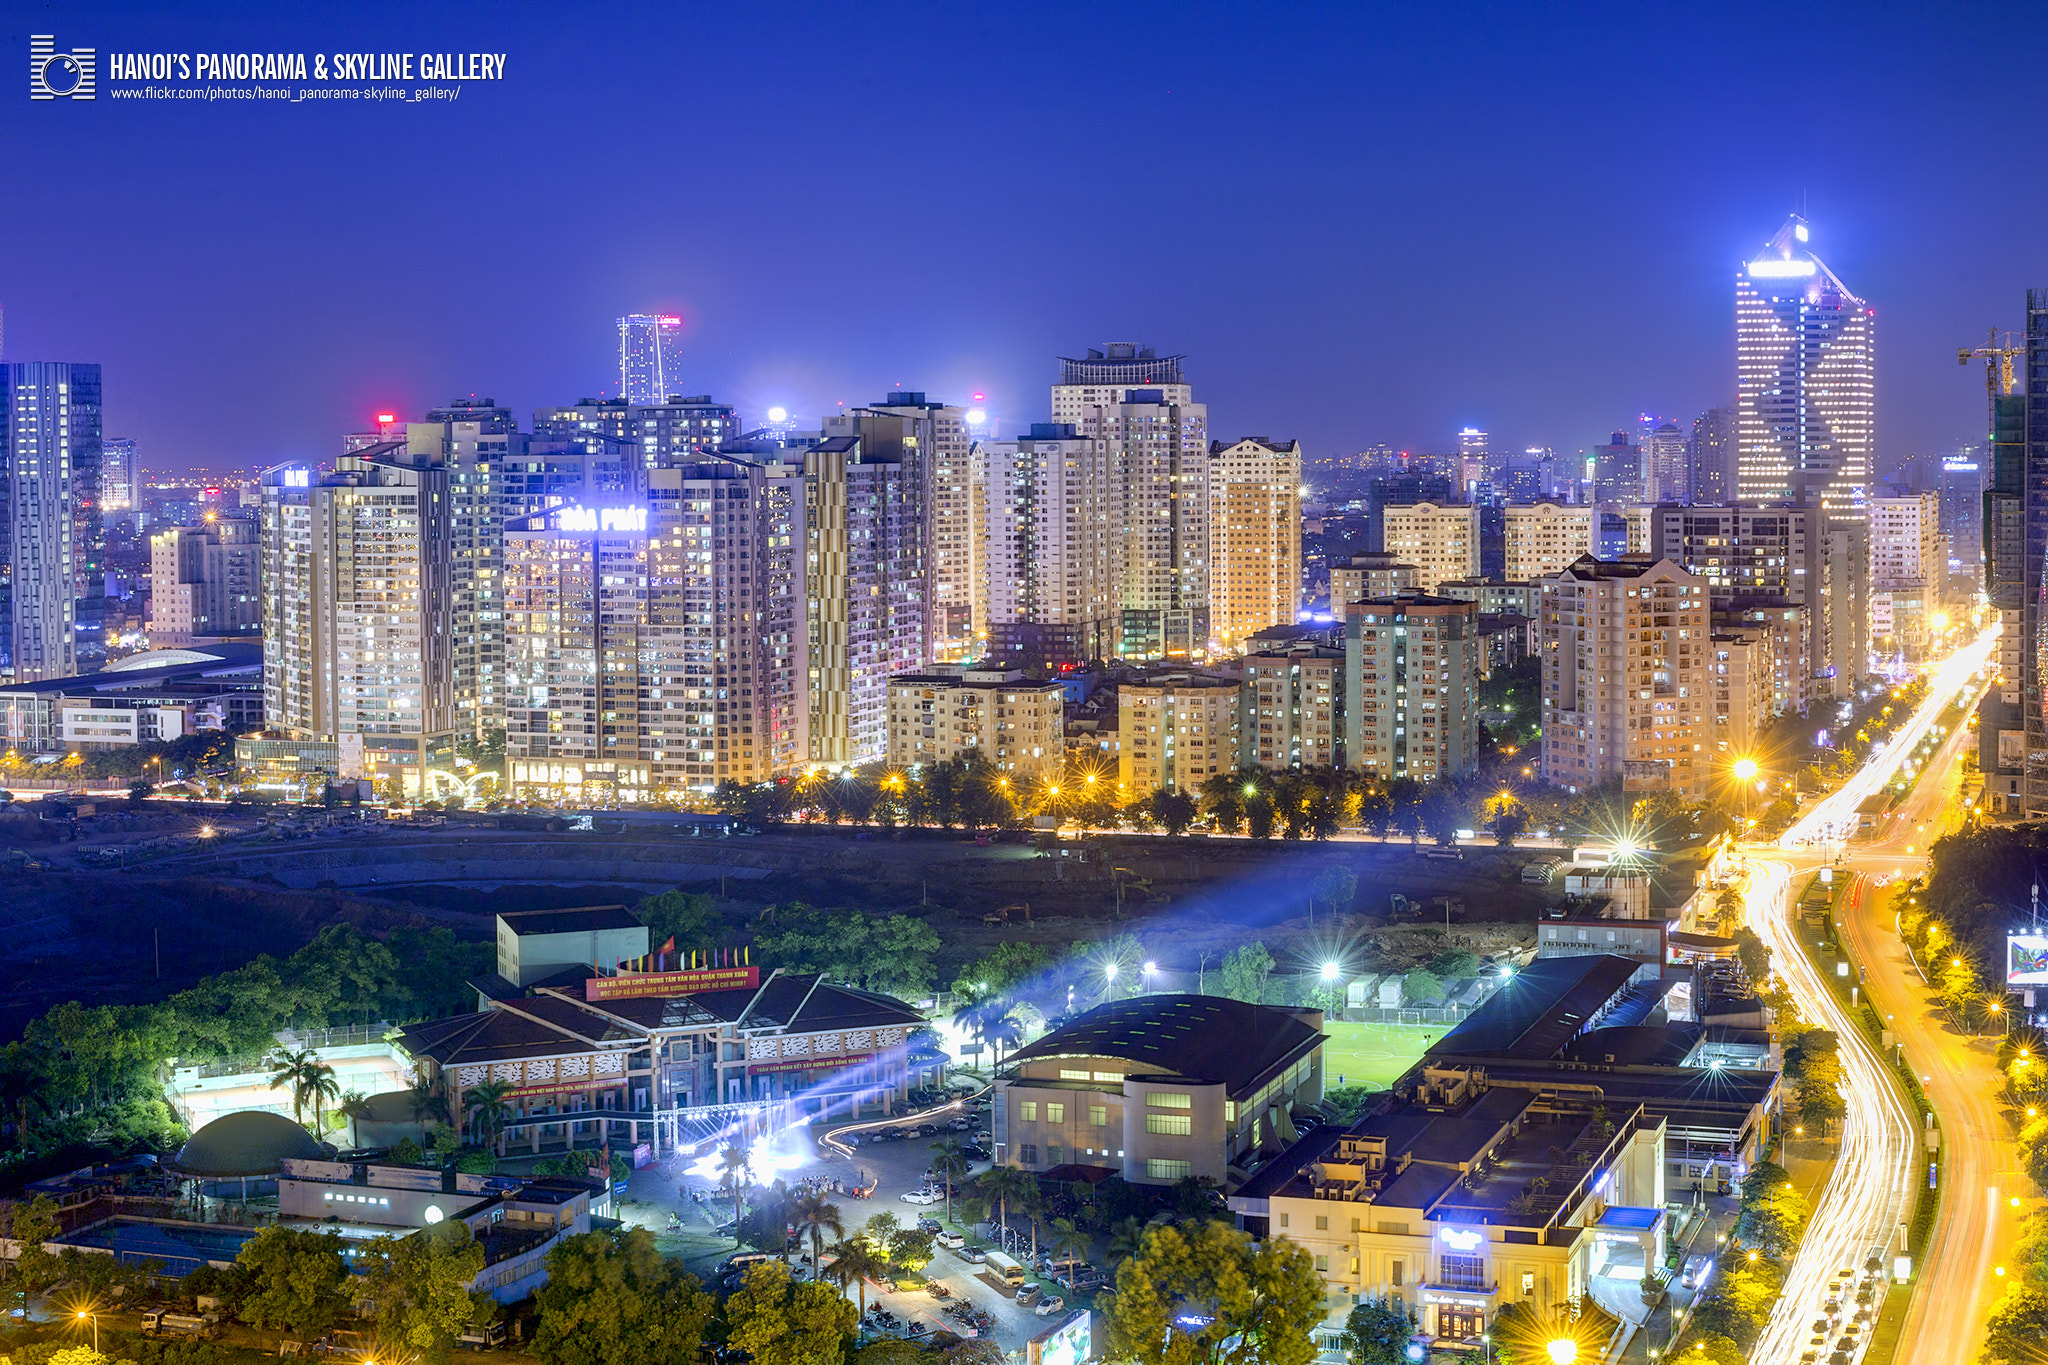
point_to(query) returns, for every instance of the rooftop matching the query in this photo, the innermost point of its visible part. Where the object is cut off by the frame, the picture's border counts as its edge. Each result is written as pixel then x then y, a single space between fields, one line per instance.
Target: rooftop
pixel 1541 1009
pixel 1200 1037
pixel 587 919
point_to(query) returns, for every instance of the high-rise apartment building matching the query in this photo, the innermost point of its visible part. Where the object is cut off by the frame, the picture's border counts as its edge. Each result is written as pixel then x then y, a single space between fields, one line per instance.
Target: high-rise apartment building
pixel 1626 656
pixel 1961 485
pixel 205 583
pixel 1906 543
pixel 1141 404
pixel 675 430
pixel 1440 539
pixel 1543 538
pixel 648 372
pixel 864 563
pixel 1177 731
pixel 1411 703
pixel 358 586
pixel 1666 472
pixel 1750 554
pixel 2022 429
pixel 934 437
pixel 1618 470
pixel 1254 538
pixel 1742 675
pixel 120 476
pixel 1805 372
pixel 49 512
pixel 1710 457
pixel 1293 707
pixel 1052 549
pixel 1371 574
pixel 654 643
pixel 1015 722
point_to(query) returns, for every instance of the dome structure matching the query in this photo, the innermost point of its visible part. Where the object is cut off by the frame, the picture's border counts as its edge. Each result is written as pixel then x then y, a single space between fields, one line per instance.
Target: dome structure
pixel 252 1142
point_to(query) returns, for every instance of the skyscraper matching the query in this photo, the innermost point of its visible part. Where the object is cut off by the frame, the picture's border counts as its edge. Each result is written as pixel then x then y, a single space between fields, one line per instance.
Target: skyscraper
pixel 357 592
pixel 1053 551
pixel 674 430
pixel 1710 457
pixel 648 372
pixel 204 582
pixel 1142 405
pixel 49 530
pixel 1805 372
pixel 1666 477
pixel 120 476
pixel 1618 470
pixel 473 439
pixel 1254 538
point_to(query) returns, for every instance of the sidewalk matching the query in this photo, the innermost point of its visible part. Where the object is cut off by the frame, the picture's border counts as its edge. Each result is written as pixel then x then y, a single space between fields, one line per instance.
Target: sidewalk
pixel 1695 1237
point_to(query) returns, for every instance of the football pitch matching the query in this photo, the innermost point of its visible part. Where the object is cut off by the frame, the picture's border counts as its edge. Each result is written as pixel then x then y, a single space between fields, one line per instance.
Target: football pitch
pixel 1373 1054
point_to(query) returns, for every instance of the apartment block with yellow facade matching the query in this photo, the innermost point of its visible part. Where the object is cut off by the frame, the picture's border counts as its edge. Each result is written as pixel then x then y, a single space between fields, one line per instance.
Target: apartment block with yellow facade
pixel 1177 731
pixel 1016 723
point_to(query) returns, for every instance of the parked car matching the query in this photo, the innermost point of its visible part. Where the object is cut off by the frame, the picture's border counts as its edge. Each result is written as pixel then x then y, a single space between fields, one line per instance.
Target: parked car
pixel 951 1241
pixel 919 1197
pixel 974 1255
pixel 1049 1305
pixel 928 1225
pixel 1028 1293
pixel 974 1153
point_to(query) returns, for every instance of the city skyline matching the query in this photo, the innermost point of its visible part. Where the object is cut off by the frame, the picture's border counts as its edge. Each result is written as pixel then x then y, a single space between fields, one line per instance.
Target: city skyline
pixel 1310 332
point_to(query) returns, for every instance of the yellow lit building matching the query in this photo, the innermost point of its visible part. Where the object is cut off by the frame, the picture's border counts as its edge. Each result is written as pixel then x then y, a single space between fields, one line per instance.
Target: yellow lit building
pixel 1254 539
pixel 1016 723
pixel 1177 730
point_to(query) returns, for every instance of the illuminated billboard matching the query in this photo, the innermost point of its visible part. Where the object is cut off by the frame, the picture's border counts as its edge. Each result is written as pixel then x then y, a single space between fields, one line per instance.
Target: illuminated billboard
pixel 1067 1344
pixel 2026 960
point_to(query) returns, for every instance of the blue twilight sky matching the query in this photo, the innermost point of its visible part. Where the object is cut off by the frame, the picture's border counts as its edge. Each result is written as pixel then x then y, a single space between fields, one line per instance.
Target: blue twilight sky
pixel 1361 223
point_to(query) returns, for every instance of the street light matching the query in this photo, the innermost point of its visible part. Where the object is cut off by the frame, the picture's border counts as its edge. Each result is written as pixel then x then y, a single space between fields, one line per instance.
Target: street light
pixel 1563 1351
pixel 1150 968
pixel 84 1313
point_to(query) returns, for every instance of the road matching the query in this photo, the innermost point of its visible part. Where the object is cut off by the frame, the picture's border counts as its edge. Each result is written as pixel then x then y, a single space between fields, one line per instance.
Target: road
pixel 1975 1228
pixel 1860 1208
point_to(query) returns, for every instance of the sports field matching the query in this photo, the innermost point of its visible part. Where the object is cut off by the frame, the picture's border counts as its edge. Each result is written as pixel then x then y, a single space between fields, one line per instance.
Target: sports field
pixel 1373 1054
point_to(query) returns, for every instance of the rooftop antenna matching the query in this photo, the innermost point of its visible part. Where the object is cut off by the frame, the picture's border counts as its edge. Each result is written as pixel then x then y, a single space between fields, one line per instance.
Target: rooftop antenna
pixel 2037 907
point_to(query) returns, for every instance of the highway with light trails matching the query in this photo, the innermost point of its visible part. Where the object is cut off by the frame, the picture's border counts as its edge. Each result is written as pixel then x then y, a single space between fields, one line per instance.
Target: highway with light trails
pixel 1868 1193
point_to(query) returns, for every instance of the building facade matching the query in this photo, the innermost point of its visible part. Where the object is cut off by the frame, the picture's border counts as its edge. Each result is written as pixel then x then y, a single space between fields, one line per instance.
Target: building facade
pixel 933 439
pixel 1052 549
pixel 1372 574
pixel 357 592
pixel 668 430
pixel 1254 539
pixel 1626 659
pixel 1765 554
pixel 49 512
pixel 120 476
pixel 1177 730
pixel 204 582
pixel 1440 539
pixel 1016 723
pixel 1411 702
pixel 1710 457
pixel 1293 707
pixel 1543 538
pixel 648 372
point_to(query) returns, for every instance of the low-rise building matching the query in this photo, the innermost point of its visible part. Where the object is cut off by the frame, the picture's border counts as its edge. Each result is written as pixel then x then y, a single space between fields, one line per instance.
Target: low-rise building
pixel 1159 1088
pixel 1177 730
pixel 1014 722
pixel 1467 1198
pixel 160 695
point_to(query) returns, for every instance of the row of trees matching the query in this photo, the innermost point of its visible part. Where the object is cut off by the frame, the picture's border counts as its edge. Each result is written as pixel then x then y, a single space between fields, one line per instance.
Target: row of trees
pixel 1726 1323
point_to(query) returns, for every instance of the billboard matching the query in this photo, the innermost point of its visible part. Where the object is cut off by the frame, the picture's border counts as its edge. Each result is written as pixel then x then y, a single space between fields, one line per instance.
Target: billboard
pixel 1067 1344
pixel 641 985
pixel 2026 959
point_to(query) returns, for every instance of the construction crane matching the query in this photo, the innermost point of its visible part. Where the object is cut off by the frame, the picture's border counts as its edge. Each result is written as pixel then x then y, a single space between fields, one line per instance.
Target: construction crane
pixel 1998 362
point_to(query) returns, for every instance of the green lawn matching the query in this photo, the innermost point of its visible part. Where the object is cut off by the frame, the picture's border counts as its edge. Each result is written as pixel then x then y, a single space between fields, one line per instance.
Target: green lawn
pixel 1374 1054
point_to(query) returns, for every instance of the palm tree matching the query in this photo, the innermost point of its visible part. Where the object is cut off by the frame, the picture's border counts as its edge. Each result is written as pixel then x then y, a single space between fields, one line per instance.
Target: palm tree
pixel 855 1263
pixel 951 1165
pixel 736 1159
pixel 1126 1240
pixel 1006 1185
pixel 427 1102
pixel 310 1079
pixel 487 1103
pixel 355 1106
pixel 1069 1245
pixel 1006 1032
pixel 813 1213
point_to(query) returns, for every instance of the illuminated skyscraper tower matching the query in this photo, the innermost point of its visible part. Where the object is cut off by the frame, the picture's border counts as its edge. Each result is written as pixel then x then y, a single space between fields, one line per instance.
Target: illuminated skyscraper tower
pixel 648 372
pixel 1805 368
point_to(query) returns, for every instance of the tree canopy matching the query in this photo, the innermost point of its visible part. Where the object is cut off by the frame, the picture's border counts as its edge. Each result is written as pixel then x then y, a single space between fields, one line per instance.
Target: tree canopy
pixel 612 1299
pixel 1254 1301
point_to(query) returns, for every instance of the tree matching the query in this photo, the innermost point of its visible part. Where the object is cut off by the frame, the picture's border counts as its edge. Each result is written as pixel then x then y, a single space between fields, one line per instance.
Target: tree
pixel 688 917
pixel 2018 1325
pixel 1772 1213
pixel 1377 1332
pixel 949 1163
pixel 812 1212
pixel 1753 955
pixel 1243 974
pixel 737 1166
pixel 1421 987
pixel 1174 811
pixel 354 1107
pixel 1334 886
pixel 1000 970
pixel 854 1263
pixel 1007 1186
pixel 1454 964
pixel 295 1280
pixel 1259 1300
pixel 32 1224
pixel 1443 813
pixel 420 1286
pixel 1223 802
pixel 612 1299
pixel 488 1105
pixel 912 1249
pixel 311 1080
pixel 779 1323
pixel 1069 1246
pixel 1820 1092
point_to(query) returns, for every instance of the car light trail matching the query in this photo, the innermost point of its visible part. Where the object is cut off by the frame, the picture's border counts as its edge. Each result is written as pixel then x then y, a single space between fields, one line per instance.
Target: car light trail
pixel 1863 1202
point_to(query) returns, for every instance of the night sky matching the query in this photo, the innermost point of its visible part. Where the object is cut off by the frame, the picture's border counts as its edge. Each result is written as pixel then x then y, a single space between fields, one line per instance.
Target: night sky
pixel 1360 224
